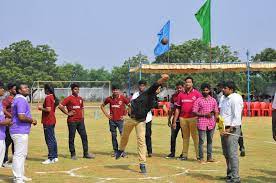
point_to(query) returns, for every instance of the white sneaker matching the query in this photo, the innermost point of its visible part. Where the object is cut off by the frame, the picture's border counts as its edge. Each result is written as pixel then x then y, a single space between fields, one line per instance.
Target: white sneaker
pixel 47 161
pixel 27 179
pixel 7 165
pixel 55 160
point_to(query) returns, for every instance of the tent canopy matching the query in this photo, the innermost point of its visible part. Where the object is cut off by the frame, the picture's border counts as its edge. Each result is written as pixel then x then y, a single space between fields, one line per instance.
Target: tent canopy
pixel 203 68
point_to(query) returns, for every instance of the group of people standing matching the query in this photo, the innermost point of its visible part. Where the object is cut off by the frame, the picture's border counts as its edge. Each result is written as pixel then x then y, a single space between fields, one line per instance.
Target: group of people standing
pixel 194 113
pixel 16 121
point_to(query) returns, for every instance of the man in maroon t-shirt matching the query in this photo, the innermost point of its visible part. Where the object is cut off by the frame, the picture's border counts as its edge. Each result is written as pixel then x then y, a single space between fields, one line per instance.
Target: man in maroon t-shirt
pixel 75 121
pixel 117 105
pixel 188 120
pixel 7 103
pixel 174 132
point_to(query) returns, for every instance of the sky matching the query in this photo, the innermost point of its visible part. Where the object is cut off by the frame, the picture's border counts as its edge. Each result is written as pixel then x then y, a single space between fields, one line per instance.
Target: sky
pixel 105 33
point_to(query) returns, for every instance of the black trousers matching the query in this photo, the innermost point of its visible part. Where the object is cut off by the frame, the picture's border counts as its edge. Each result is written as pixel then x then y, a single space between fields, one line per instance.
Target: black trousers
pixel 148 137
pixel 174 133
pixel 8 142
pixel 274 124
pixel 80 127
pixel 241 143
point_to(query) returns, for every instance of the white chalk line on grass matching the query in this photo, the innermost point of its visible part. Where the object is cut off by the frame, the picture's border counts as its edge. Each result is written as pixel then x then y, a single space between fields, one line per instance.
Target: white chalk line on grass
pixel 269 142
pixel 104 179
pixel 69 172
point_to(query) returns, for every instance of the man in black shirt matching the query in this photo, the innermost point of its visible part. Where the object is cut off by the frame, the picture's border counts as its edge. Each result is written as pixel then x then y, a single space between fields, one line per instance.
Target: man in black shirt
pixel 274 117
pixel 137 117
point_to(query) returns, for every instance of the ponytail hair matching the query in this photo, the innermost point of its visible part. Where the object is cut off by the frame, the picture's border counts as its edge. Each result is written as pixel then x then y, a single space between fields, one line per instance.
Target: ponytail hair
pixel 51 90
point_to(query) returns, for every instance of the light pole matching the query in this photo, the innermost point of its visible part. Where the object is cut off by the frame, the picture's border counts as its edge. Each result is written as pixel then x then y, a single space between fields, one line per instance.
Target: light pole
pixel 248 82
pixel 128 77
pixel 140 65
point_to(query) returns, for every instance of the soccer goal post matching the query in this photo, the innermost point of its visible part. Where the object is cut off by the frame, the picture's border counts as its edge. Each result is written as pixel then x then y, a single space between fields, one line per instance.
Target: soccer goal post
pixel 92 92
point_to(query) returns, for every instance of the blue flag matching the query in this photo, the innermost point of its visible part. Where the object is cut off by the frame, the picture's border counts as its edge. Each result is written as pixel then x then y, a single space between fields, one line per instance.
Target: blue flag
pixel 163 44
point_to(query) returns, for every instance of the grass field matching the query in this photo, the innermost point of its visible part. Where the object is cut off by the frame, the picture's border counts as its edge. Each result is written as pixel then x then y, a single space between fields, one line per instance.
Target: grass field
pixel 259 164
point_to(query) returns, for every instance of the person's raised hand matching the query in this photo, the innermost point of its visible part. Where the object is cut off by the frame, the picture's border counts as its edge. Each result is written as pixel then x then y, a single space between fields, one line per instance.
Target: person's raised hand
pixel 165 76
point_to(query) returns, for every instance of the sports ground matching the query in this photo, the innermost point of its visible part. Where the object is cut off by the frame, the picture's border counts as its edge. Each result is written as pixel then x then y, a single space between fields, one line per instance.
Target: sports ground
pixel 259 164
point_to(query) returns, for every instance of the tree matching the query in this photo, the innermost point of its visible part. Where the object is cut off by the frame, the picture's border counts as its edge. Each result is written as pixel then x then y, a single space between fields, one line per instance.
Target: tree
pixel 195 51
pixel 120 74
pixel 260 80
pixel 99 75
pixel 72 72
pixel 267 55
pixel 21 61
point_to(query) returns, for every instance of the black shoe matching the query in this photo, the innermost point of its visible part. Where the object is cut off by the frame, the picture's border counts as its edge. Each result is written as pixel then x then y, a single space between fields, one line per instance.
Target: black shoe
pixel 119 154
pixel 89 156
pixel 171 155
pixel 242 153
pixel 232 181
pixel 143 168
pixel 74 157
pixel 150 155
pixel 183 158
pixel 228 178
pixel 225 178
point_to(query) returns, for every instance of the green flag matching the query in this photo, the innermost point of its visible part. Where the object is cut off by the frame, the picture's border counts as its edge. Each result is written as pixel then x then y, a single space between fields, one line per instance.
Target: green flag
pixel 203 16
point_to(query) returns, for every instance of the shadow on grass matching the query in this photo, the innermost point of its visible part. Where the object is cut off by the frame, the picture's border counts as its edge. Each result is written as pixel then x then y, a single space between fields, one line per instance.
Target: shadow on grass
pixel 268 172
pixel 35 159
pixel 5 178
pixel 205 177
pixel 259 179
pixel 129 153
pixel 269 177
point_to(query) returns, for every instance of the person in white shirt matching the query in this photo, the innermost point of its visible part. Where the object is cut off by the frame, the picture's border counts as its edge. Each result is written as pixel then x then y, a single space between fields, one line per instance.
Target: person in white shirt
pixel 142 84
pixel 231 107
pixel 274 117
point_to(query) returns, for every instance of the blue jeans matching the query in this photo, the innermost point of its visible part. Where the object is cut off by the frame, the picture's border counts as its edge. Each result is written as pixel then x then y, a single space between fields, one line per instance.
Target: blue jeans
pixel 113 125
pixel 209 134
pixel 50 139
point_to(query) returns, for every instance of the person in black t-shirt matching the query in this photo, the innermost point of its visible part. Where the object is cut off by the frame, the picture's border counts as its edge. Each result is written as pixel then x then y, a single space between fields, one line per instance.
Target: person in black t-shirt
pixel 137 117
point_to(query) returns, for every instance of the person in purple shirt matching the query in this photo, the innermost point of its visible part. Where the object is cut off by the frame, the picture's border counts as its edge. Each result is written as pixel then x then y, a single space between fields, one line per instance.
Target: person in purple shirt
pixel 3 123
pixel 20 129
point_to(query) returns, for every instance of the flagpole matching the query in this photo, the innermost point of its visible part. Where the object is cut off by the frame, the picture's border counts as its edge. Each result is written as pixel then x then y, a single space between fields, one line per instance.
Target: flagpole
pixel 210 49
pixel 210 54
pixel 168 56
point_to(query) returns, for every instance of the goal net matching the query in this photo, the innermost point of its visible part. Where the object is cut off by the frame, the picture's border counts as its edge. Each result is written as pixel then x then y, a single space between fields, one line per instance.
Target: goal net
pixel 92 92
